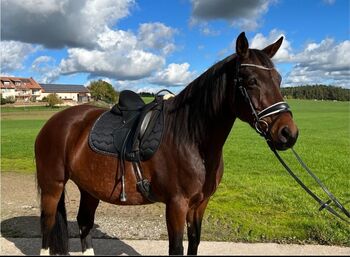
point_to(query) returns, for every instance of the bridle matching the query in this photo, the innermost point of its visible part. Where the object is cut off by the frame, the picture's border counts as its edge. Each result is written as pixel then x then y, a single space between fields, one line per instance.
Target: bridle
pixel 278 108
pixel 273 109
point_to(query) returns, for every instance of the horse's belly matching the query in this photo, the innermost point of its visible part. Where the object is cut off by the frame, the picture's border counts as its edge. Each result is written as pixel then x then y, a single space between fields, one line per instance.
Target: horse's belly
pixel 98 175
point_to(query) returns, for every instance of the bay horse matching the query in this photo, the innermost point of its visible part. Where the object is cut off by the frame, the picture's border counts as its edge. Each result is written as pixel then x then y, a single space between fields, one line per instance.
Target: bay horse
pixel 188 165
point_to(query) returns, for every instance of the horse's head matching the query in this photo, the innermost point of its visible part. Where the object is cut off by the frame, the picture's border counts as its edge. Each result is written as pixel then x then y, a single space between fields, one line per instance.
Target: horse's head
pixel 259 100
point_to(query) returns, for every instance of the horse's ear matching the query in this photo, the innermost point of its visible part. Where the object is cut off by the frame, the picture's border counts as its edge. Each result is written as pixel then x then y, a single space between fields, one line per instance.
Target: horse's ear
pixel 242 45
pixel 272 49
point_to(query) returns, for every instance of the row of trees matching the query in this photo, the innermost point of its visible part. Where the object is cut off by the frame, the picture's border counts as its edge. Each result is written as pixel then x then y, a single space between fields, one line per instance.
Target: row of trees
pixel 319 92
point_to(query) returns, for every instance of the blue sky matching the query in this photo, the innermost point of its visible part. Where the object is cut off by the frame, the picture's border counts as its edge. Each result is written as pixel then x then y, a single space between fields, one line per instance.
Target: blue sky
pixel 147 45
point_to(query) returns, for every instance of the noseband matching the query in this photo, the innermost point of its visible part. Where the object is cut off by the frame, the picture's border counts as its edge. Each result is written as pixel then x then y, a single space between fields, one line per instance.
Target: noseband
pixel 276 108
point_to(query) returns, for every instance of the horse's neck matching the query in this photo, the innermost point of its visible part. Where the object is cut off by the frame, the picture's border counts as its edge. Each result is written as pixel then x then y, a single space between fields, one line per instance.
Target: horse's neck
pixel 216 135
pixel 207 132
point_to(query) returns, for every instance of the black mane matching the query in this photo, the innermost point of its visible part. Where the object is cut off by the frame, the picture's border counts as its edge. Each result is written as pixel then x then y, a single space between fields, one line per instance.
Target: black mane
pixel 193 109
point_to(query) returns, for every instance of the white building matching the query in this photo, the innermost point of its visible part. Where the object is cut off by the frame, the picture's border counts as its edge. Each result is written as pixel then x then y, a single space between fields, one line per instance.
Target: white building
pixel 21 89
pixel 74 93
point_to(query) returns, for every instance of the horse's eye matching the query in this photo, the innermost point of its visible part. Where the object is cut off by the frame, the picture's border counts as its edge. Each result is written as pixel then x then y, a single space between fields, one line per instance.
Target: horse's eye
pixel 252 82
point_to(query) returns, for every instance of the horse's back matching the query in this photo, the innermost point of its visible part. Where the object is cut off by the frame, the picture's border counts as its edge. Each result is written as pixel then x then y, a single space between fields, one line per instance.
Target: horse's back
pixel 64 123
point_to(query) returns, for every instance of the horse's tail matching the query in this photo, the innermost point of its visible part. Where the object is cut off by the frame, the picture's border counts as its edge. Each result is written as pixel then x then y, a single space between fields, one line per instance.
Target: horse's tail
pixel 59 239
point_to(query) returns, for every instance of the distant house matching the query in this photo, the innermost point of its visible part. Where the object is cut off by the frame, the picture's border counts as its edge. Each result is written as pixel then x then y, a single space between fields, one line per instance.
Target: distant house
pixel 22 89
pixel 68 93
pixel 25 89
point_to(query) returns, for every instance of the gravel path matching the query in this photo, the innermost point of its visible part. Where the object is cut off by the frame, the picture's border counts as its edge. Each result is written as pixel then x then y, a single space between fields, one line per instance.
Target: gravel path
pixel 119 230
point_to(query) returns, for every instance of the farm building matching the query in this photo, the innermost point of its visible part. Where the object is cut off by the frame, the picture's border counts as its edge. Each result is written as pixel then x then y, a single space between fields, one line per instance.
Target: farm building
pixel 25 89
pixel 21 89
pixel 68 93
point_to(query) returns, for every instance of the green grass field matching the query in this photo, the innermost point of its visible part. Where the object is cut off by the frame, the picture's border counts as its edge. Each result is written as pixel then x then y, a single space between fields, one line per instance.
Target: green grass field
pixel 257 200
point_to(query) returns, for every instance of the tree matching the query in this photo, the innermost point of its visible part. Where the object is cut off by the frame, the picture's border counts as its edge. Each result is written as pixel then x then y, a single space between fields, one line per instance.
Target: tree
pixel 53 99
pixel 320 92
pixel 101 90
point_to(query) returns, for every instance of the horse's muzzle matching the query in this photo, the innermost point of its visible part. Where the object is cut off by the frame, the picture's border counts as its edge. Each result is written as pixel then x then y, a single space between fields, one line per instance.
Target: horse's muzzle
pixel 284 133
pixel 286 138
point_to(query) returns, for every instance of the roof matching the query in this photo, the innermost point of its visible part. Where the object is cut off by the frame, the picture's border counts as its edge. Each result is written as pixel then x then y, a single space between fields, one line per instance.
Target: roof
pixel 25 83
pixel 63 88
pixel 8 84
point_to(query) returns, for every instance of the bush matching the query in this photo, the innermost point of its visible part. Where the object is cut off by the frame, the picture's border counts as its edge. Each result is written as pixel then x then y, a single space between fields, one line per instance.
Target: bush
pixel 8 100
pixel 53 99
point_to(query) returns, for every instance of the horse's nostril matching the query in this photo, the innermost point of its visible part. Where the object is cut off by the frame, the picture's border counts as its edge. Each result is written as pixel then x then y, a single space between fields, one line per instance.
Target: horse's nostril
pixel 285 135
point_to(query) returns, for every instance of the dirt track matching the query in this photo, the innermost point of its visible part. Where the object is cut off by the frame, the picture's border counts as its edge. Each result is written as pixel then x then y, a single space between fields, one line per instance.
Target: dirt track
pixel 20 213
pixel 126 230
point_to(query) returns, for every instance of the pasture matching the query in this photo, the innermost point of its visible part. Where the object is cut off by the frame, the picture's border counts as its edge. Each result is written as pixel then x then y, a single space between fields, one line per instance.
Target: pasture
pixel 257 200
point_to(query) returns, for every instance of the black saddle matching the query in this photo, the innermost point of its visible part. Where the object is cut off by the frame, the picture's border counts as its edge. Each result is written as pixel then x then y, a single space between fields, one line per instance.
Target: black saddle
pixel 131 130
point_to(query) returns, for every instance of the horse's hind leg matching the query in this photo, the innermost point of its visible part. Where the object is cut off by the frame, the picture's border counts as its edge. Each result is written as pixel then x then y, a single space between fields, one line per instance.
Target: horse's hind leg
pixel 86 217
pixel 54 220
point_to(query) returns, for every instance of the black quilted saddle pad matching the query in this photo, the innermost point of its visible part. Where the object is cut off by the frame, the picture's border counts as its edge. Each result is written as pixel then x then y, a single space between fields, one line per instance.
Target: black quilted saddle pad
pixel 109 131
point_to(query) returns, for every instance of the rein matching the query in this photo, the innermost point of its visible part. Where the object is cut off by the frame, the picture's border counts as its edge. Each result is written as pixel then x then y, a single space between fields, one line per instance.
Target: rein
pixel 281 107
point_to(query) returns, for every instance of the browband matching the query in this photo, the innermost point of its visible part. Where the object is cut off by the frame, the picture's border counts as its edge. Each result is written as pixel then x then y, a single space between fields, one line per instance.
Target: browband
pixel 256 66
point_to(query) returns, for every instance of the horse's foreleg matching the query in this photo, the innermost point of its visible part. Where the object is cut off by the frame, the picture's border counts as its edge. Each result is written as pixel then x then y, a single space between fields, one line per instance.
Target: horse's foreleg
pixel 86 217
pixel 176 211
pixel 194 225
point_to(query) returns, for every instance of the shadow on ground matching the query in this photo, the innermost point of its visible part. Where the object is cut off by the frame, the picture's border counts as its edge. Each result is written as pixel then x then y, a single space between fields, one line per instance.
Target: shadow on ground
pixel 29 227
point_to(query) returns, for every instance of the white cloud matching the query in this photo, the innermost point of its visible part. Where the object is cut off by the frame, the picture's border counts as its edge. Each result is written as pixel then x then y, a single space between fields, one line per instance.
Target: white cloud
pixel 57 23
pixel 132 65
pixel 87 29
pixel 137 86
pixel 122 55
pixel 243 14
pixel 13 54
pixel 47 68
pixel 106 79
pixel 174 75
pixel 259 41
pixel 116 40
pixel 207 31
pixel 324 62
pixel 157 36
pixel 42 61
